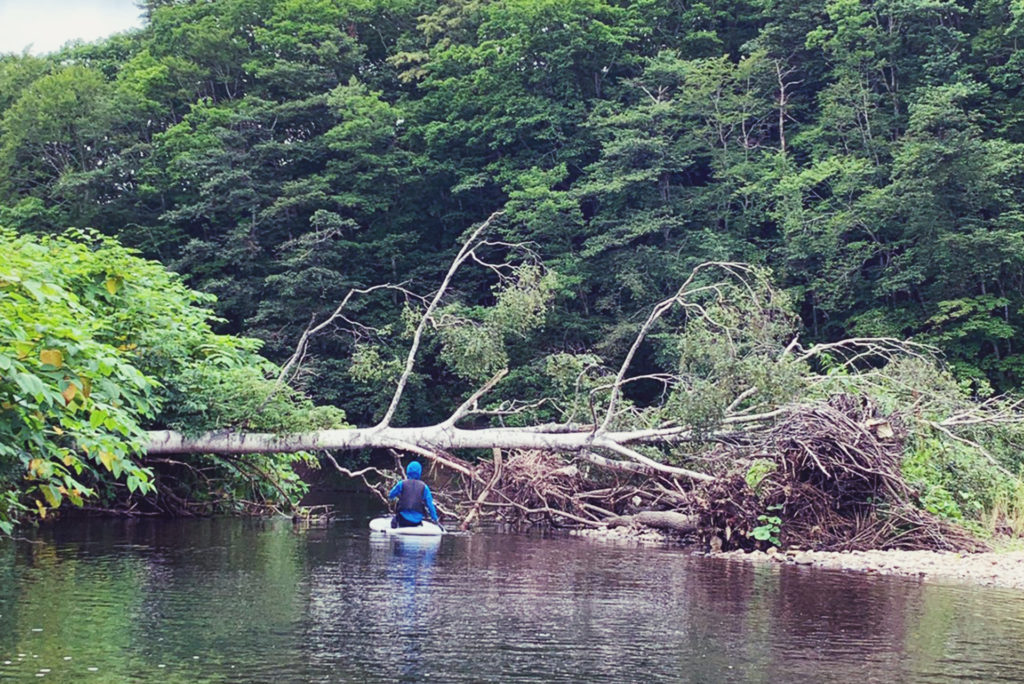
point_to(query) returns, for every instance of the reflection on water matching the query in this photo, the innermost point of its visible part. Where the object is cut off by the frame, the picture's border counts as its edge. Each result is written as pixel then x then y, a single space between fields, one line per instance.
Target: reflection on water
pixel 234 600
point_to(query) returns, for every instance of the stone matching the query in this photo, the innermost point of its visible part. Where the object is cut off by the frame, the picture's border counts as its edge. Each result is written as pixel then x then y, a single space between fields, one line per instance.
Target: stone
pixel 803 559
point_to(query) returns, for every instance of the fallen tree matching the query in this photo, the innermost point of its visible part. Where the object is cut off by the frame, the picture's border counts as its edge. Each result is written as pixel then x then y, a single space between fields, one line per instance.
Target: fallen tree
pixel 744 396
pixel 602 436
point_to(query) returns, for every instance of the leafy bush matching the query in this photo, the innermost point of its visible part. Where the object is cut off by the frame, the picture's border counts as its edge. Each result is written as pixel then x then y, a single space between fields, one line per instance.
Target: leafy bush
pixel 96 346
pixel 71 401
pixel 954 480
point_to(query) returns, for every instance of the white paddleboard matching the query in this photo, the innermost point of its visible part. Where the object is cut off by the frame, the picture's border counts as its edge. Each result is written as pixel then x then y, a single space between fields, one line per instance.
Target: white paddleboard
pixel 426 529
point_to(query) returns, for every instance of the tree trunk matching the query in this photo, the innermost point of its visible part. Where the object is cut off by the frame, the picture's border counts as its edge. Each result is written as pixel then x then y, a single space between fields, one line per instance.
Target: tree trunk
pixel 424 441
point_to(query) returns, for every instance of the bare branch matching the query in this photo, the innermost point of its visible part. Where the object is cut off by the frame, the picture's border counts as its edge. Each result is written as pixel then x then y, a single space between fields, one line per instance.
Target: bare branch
pixel 651 463
pixel 475 511
pixel 300 348
pixel 512 408
pixel 360 474
pixel 793 344
pixel 547 510
pixel 622 466
pixel 470 403
pixel 740 398
pixel 656 313
pixel 859 347
pixel 464 253
pixel 756 418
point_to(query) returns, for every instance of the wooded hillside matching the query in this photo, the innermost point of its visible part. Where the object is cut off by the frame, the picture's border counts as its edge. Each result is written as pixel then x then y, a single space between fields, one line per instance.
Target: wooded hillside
pixel 279 152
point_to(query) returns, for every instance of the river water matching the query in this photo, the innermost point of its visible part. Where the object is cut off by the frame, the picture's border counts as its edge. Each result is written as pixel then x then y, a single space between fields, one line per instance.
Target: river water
pixel 231 600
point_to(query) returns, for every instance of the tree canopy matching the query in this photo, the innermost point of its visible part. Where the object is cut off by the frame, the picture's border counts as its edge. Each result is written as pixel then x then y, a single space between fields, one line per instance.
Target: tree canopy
pixel 277 152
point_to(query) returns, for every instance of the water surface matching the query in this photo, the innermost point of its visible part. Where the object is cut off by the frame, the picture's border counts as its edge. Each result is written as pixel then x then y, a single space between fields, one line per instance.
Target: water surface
pixel 230 600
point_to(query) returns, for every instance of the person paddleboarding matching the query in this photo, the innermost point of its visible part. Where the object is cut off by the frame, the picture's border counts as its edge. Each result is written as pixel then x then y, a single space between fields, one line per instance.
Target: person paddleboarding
pixel 414 499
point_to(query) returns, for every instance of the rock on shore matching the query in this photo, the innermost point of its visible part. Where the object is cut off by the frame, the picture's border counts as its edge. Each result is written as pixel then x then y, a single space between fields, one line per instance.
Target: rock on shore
pixel 646 535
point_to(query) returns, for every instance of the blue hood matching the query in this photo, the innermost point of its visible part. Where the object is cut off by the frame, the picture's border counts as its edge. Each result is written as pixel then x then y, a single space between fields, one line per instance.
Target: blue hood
pixel 414 470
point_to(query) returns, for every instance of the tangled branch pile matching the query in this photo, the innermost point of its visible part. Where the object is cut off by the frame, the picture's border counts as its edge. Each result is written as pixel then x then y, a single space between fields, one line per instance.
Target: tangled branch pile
pixel 827 477
pixel 830 474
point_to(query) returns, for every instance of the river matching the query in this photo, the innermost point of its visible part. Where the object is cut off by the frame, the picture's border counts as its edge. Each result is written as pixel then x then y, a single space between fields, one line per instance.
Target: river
pixel 234 600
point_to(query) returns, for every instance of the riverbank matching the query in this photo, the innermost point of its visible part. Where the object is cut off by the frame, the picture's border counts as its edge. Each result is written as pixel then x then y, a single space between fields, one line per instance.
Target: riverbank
pixel 996 569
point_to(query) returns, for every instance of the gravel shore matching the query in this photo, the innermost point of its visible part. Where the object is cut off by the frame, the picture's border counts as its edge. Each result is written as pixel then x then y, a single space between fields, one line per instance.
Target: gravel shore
pixel 997 569
pixel 988 569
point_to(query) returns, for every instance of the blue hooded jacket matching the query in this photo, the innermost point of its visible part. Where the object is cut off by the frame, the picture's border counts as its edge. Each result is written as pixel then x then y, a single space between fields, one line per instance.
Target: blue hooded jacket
pixel 413 472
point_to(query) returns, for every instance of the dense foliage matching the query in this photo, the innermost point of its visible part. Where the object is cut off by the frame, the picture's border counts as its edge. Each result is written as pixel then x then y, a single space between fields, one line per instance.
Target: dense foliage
pixel 278 152
pixel 97 345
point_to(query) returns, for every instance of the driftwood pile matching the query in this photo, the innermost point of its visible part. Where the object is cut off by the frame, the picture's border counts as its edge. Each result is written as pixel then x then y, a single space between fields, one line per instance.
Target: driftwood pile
pixel 825 477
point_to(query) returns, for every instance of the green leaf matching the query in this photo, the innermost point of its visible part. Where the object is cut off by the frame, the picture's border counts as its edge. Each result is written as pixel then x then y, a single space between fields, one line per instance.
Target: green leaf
pixel 31 385
pixel 97 417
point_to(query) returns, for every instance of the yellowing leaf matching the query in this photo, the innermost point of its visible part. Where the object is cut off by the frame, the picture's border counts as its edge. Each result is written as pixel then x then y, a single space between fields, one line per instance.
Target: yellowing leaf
pixel 113 284
pixel 69 393
pixel 34 465
pixel 41 507
pixel 57 430
pixel 86 387
pixel 54 357
pixel 107 459
pixel 52 495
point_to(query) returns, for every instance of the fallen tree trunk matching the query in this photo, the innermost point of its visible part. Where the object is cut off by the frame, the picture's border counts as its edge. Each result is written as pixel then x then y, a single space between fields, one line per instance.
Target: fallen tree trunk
pixel 424 441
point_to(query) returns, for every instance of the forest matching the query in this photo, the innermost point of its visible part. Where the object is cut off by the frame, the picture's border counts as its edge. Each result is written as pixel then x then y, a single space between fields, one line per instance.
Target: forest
pixel 725 225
